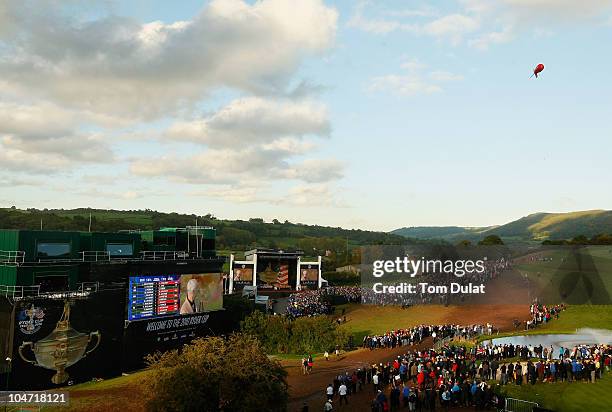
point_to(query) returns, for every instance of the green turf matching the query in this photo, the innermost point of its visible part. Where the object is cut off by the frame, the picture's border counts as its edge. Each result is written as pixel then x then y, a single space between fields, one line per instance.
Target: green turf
pixel 365 320
pixel 110 394
pixel 575 276
pixel 567 396
pixel 570 320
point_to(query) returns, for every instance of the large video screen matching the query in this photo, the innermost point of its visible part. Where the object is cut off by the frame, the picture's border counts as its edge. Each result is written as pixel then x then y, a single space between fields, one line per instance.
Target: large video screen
pixel 276 274
pixel 163 295
pixel 243 275
pixel 309 273
pixel 201 293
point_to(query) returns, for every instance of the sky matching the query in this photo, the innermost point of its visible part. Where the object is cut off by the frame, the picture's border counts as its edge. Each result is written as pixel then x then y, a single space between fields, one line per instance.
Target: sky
pixel 360 114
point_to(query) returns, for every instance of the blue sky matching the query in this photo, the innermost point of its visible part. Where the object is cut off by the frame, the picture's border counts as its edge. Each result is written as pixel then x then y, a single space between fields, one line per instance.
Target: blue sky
pixel 371 115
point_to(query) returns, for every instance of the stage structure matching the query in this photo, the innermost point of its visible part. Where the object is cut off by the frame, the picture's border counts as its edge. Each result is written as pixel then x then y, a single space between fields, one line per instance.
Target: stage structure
pixel 274 270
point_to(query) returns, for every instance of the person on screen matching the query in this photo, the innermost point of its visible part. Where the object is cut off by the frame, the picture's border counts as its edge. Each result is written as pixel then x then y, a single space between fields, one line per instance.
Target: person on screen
pixel 189 306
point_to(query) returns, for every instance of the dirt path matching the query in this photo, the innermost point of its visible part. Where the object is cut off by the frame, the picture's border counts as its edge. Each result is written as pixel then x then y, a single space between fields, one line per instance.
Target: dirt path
pixel 311 388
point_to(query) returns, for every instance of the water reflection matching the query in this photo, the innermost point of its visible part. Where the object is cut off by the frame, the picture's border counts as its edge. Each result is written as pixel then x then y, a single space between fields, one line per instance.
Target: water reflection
pixel 585 336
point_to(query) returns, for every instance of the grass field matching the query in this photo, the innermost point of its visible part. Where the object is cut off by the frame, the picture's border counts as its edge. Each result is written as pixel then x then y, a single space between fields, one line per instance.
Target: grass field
pixel 567 397
pixel 572 319
pixel 575 276
pixel 364 320
pixel 123 393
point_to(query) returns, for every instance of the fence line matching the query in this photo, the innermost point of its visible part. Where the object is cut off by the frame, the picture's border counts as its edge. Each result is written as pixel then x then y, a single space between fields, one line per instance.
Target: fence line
pixel 519 405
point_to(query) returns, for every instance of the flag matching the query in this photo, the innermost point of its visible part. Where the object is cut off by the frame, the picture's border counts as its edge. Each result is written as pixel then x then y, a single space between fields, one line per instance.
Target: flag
pixel 283 276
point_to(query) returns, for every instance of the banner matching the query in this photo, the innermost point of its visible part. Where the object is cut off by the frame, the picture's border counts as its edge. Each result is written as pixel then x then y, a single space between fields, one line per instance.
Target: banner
pixel 62 341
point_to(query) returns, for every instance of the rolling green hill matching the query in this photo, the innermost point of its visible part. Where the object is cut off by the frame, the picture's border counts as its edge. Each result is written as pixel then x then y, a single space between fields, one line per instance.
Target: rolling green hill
pixel 537 226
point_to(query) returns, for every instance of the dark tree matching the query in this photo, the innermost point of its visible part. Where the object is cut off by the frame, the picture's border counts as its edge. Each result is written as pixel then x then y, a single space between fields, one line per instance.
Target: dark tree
pixel 214 374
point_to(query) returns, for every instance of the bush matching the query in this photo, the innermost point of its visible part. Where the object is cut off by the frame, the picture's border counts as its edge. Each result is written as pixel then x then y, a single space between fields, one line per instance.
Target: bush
pixel 213 374
pixel 277 334
pixel 341 278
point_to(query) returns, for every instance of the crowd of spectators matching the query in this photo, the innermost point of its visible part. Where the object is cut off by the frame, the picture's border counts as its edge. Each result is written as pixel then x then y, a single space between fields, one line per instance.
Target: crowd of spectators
pixel 317 302
pixel 416 334
pixel 420 380
pixel 518 364
pixel 543 314
pixel 455 376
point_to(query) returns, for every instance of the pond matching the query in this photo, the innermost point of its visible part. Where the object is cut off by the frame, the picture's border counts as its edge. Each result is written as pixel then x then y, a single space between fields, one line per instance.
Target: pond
pixel 584 336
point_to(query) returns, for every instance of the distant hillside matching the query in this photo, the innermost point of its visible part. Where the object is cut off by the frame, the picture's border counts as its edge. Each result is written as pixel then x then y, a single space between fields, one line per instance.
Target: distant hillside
pixel 537 226
pixel 439 232
pixel 236 235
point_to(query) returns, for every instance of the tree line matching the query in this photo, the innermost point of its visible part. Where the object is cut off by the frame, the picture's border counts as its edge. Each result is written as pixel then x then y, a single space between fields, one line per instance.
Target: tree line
pixel 231 234
pixel 600 239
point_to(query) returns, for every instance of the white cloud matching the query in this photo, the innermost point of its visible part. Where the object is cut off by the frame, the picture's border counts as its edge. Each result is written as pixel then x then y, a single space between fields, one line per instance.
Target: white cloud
pixel 453 26
pixel 17 161
pixel 315 195
pixel 240 194
pixel 509 18
pixel 71 84
pixel 483 22
pixel 35 120
pixel 47 129
pixel 443 76
pixel 120 195
pixel 79 148
pixel 413 65
pixel 254 120
pixel 127 69
pixel 250 138
pixel 407 85
pixel 304 195
pixel 232 166
pixel 370 24
pixel 315 170
pixel 558 10
pixel 11 181
pixel 414 82
pixel 483 41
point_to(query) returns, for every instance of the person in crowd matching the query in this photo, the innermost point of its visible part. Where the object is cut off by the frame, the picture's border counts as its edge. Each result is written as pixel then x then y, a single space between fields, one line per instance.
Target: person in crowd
pixel 330 392
pixel 343 392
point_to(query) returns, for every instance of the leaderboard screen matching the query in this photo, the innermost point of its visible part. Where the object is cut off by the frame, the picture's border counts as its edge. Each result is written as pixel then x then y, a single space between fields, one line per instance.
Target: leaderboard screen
pixel 152 296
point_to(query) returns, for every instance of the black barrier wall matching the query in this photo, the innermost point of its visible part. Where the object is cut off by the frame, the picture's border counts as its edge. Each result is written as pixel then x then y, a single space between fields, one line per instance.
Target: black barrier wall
pixel 62 341
pixel 57 342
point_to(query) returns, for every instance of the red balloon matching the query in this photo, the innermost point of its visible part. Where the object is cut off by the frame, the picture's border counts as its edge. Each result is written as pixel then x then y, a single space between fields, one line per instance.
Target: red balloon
pixel 539 68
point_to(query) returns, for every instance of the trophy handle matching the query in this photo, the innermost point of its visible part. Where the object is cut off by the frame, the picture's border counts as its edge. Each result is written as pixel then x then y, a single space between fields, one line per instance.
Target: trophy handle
pixel 98 338
pixel 21 347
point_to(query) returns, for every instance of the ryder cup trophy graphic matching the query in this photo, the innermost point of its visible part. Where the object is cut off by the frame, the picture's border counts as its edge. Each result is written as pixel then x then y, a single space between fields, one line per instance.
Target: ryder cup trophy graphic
pixel 61 348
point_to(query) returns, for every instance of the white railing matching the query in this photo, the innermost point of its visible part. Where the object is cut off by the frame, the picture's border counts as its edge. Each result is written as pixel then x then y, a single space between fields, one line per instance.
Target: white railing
pixel 164 255
pixel 19 292
pixel 12 257
pixel 94 255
